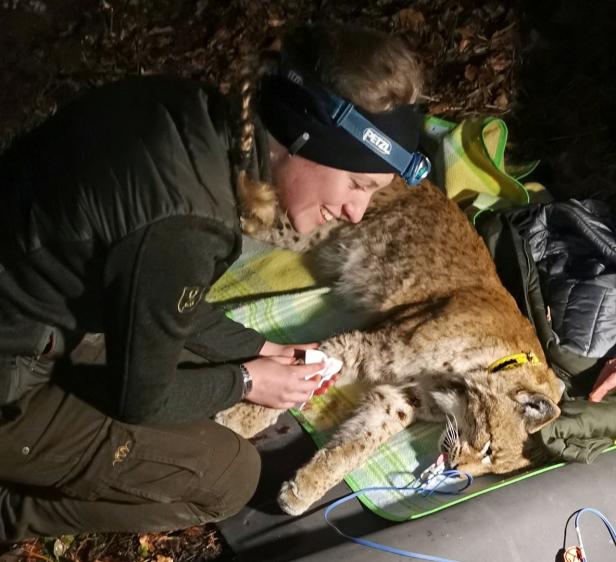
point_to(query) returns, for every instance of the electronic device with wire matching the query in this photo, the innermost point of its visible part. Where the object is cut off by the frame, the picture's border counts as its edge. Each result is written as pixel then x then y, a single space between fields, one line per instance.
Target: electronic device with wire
pixel 577 553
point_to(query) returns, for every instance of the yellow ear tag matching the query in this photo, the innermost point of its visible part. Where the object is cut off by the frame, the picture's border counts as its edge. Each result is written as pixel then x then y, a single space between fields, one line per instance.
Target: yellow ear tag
pixel 513 361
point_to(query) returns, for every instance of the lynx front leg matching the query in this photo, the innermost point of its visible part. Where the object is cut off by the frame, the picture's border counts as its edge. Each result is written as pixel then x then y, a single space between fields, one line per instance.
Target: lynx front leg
pixel 382 413
pixel 247 419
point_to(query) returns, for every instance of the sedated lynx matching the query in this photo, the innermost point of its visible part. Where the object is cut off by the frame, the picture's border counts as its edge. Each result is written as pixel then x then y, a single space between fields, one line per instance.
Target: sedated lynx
pixel 450 345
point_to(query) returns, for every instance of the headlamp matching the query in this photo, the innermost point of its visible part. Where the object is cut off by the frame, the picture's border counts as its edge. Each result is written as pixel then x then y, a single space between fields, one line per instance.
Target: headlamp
pixel 310 120
pixel 412 166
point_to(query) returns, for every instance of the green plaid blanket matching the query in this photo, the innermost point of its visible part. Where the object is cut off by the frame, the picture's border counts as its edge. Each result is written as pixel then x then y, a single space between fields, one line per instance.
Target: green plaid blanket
pixel 294 310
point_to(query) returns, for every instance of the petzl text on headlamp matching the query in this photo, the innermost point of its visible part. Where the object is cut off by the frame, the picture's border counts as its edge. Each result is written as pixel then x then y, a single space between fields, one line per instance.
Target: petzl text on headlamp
pixel 321 126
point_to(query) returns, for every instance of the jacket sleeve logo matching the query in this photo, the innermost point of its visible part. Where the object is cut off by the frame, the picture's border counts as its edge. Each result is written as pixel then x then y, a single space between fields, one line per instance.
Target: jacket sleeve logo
pixel 190 298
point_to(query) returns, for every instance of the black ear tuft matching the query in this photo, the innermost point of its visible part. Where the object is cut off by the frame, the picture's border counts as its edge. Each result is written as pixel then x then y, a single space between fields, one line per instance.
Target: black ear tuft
pixel 537 410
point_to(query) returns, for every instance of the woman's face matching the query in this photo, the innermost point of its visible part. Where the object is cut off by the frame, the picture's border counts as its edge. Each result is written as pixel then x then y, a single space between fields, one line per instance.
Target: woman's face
pixel 313 194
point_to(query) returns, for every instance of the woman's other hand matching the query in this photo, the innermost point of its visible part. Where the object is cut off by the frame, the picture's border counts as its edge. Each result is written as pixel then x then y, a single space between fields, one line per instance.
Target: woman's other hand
pixel 277 350
pixel 606 381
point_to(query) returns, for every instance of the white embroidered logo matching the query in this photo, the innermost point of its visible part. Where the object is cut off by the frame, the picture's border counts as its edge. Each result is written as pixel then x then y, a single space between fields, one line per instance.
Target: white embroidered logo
pixel 295 77
pixel 190 298
pixel 376 140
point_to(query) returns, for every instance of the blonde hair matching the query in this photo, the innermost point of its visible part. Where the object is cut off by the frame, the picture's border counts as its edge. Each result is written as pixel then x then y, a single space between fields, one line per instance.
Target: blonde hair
pixel 373 70
pixel 258 201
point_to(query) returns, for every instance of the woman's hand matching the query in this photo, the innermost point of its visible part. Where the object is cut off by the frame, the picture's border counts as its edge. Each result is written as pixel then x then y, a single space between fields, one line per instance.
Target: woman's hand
pixel 606 381
pixel 277 350
pixel 280 383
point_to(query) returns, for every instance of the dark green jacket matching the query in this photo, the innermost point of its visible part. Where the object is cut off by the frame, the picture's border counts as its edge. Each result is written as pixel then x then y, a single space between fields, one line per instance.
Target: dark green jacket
pixel 583 430
pixel 116 216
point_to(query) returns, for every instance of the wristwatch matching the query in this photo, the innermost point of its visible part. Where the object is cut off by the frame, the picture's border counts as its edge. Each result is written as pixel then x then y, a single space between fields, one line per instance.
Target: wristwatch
pixel 246 380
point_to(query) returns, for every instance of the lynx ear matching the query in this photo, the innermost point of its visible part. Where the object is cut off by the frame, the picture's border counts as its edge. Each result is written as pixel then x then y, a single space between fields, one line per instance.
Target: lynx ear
pixel 537 410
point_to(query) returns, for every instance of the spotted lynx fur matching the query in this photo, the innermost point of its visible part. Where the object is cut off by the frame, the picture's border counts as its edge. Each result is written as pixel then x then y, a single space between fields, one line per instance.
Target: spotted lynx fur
pixel 445 318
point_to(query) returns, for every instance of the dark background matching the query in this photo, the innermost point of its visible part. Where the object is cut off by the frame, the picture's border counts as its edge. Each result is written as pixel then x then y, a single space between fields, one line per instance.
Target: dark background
pixel 546 66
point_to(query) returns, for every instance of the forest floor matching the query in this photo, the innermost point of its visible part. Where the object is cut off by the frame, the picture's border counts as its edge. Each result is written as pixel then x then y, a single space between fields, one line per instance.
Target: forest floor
pixel 546 67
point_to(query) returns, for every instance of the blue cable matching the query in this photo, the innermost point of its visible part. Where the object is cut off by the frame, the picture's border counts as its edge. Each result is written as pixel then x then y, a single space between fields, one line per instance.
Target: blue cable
pixel 422 490
pixel 603 518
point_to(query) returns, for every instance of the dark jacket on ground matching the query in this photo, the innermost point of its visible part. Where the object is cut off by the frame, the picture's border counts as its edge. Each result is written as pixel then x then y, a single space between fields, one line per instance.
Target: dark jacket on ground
pixel 573 244
pixel 561 257
pixel 117 215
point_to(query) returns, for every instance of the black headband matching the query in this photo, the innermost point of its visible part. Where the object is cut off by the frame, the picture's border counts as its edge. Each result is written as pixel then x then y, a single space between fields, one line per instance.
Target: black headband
pixel 298 118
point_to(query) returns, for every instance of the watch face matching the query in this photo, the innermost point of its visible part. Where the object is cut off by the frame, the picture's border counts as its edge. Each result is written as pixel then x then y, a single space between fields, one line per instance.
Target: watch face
pixel 246 379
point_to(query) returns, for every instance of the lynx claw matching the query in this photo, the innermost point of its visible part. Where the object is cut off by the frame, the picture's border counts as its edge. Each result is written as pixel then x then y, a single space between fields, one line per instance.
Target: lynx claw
pixel 289 499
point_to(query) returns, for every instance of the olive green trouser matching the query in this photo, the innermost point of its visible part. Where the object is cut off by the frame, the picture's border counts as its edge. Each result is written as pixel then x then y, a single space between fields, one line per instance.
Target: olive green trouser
pixel 67 468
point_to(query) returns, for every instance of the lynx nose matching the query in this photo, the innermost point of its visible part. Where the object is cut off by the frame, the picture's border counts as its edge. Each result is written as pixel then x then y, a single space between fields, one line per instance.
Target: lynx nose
pixel 451 455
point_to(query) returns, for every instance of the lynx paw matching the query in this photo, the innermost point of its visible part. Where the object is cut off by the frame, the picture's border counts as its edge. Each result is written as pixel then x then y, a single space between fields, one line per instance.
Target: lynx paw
pixel 241 418
pixel 231 420
pixel 290 499
pixel 247 419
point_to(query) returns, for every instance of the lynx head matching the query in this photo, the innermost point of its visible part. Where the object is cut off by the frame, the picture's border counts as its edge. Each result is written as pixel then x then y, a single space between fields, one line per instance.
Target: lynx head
pixel 491 418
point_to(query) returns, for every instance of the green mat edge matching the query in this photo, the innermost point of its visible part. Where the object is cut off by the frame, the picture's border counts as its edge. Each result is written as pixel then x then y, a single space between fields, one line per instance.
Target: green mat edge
pixel 319 442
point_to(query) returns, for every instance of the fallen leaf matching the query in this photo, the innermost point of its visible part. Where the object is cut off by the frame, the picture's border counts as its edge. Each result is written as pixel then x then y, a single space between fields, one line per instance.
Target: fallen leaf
pixel 502 101
pixel 145 545
pixel 470 72
pixel 195 531
pixel 499 62
pixel 467 34
pixel 411 18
